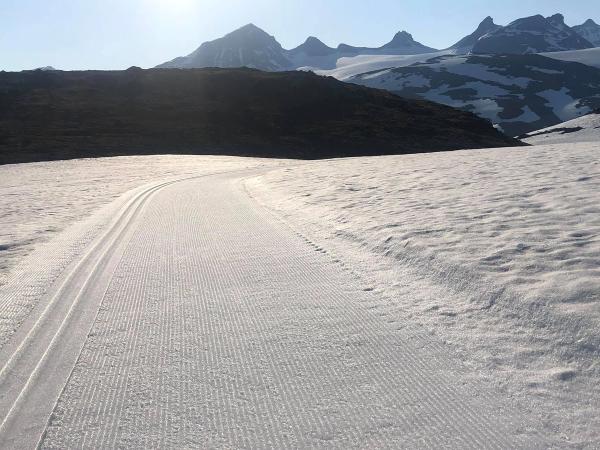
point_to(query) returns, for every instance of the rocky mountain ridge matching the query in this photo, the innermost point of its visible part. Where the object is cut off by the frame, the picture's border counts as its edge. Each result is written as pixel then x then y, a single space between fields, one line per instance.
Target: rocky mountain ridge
pixel 252 47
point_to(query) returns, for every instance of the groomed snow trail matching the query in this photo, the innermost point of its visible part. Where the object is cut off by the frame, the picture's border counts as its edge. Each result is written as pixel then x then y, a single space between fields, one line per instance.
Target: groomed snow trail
pixel 221 328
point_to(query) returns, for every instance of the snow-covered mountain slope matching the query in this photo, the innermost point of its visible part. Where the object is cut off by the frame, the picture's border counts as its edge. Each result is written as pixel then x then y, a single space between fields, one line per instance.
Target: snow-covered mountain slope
pixel 533 34
pixel 519 93
pixel 582 129
pixel 465 45
pixel 248 46
pixel 590 31
pixel 348 67
pixel 588 56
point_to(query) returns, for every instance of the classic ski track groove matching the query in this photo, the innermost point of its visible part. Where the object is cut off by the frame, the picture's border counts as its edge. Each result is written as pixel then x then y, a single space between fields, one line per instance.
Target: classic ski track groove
pixel 32 336
pixel 222 328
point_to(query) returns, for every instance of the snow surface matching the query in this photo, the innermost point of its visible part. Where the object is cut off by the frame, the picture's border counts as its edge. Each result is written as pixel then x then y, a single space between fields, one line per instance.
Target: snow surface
pixel 39 200
pixel 356 65
pixel 460 66
pixel 564 106
pixel 496 252
pixel 499 250
pixel 588 56
pixel 568 132
pixel 221 328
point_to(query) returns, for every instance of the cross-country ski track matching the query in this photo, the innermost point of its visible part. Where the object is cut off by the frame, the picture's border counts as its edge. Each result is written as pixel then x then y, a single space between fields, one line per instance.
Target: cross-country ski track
pixel 197 319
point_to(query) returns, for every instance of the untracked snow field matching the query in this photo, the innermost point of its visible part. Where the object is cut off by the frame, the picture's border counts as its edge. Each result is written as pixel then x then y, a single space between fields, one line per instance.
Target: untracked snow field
pixel 496 252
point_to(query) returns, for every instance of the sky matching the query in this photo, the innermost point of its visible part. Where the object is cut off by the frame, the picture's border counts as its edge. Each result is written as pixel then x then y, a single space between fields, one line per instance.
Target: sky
pixel 116 34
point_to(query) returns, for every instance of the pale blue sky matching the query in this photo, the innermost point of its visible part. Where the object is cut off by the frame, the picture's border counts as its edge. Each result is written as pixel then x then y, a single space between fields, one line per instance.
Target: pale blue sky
pixel 116 34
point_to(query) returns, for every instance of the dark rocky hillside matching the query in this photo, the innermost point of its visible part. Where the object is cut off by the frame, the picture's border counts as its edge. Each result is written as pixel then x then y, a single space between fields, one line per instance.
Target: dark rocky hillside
pixel 60 115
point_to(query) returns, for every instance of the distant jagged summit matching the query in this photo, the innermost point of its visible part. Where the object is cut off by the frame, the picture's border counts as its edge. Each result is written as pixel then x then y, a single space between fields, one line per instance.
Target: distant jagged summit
pixel 589 30
pixel 313 47
pixel 401 44
pixel 248 46
pixel 533 34
pixel 465 45
pixel 400 40
pixel 252 47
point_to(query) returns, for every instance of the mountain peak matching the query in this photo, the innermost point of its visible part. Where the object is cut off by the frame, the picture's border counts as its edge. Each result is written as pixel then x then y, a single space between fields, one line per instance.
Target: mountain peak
pixel 248 29
pixel 312 40
pixel 402 37
pixel 248 46
pixel 313 46
pixel 404 42
pixel 534 34
pixel 557 19
pixel 486 26
pixel 537 21
pixel 589 30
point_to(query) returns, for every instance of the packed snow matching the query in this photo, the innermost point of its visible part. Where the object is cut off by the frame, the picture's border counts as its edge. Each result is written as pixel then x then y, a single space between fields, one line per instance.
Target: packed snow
pixel 497 250
pixel 39 200
pixel 581 129
pixel 495 253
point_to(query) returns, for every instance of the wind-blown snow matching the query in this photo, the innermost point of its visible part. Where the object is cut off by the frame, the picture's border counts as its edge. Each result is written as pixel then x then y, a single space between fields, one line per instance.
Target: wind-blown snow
pixel 498 250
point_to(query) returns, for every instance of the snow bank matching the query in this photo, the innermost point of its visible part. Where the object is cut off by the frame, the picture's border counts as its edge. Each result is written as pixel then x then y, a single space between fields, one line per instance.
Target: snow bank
pixel 496 251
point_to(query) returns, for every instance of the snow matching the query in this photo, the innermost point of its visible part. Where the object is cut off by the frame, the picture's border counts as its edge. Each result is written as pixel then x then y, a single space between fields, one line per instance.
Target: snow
pixel 39 200
pixel 459 66
pixel 485 90
pixel 547 71
pixel 351 66
pixel 386 79
pixel 564 106
pixel 581 129
pixel 588 56
pixel 485 107
pixel 496 252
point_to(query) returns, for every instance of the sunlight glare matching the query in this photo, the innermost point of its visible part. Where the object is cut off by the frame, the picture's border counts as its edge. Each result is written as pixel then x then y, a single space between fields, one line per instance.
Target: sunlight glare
pixel 175 7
